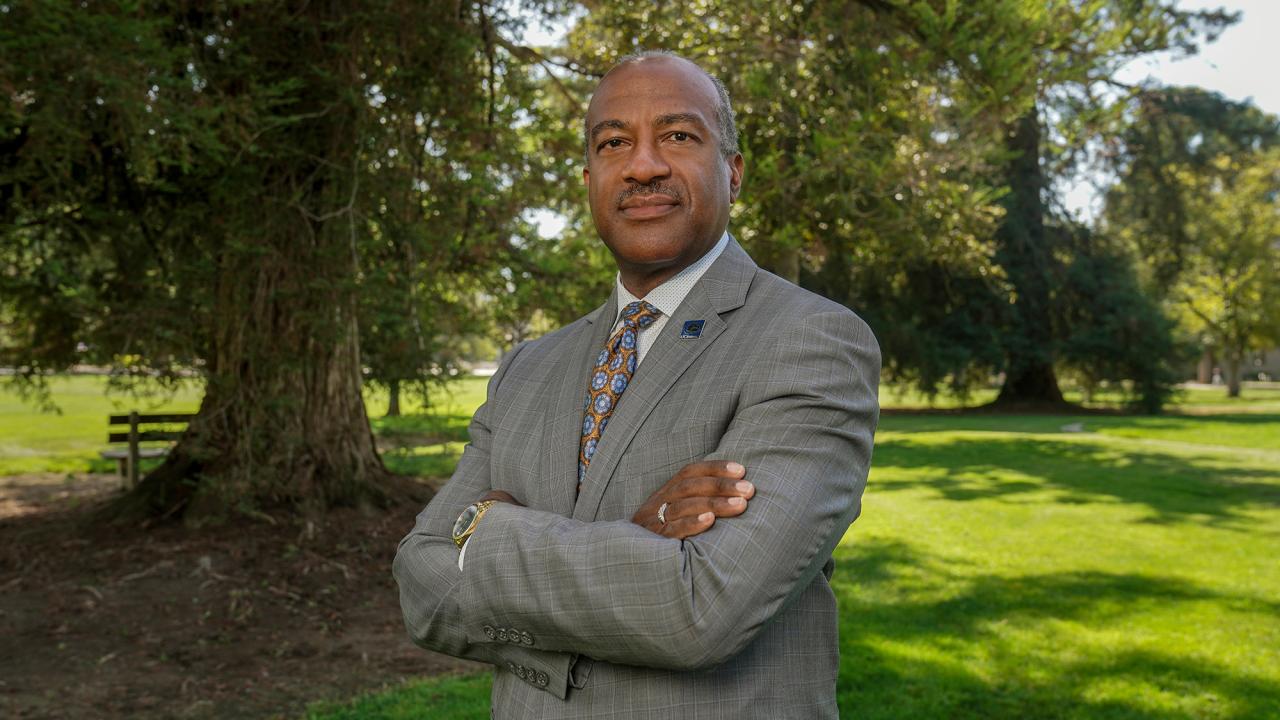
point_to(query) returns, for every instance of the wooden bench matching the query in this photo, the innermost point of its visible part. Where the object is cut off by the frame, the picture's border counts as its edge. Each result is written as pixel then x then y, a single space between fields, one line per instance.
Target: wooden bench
pixel 128 458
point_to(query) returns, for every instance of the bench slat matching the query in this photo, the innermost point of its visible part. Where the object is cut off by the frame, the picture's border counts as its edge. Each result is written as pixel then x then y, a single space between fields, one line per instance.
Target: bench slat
pixel 158 418
pixel 145 436
pixel 123 453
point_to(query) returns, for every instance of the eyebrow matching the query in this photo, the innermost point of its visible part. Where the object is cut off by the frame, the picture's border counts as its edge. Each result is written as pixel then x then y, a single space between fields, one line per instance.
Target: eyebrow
pixel 677 118
pixel 661 121
pixel 603 124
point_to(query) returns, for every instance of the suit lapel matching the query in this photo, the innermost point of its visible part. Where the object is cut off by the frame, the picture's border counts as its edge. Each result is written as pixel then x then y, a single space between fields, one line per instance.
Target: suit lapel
pixel 563 418
pixel 722 289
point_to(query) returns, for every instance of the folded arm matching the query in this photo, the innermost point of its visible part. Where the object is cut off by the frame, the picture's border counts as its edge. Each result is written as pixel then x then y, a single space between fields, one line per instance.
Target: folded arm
pixel 426 568
pixel 617 592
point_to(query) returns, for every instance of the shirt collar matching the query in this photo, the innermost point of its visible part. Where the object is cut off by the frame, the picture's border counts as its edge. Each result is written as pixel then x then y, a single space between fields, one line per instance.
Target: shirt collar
pixel 668 296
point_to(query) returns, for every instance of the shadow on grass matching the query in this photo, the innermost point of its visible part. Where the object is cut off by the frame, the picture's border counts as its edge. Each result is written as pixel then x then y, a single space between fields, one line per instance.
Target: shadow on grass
pixel 423 428
pixel 994 422
pixel 1172 487
pixel 904 641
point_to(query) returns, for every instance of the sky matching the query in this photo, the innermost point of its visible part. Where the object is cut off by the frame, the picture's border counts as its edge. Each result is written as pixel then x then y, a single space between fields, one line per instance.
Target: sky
pixel 1244 63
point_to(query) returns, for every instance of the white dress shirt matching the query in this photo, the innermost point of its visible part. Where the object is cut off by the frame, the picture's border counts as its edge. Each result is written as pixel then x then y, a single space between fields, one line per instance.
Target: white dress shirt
pixel 666 297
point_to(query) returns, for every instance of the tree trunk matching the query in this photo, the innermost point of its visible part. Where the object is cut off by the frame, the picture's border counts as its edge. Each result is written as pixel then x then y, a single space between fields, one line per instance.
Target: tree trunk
pixel 393 403
pixel 282 423
pixel 1204 370
pixel 1233 373
pixel 1025 254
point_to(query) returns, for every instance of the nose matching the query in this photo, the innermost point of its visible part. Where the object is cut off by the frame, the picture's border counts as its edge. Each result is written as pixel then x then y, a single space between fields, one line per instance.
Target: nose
pixel 646 164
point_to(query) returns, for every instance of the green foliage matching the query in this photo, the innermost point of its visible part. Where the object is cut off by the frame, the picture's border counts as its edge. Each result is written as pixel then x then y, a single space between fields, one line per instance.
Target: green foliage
pixel 877 139
pixel 869 132
pixel 1200 179
pixel 133 176
pixel 1168 130
pixel 1112 331
pixel 1230 289
pixel 1079 48
pixel 255 194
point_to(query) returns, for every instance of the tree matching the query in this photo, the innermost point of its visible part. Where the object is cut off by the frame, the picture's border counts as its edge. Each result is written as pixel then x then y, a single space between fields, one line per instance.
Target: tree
pixel 898 155
pixel 871 131
pixel 1112 330
pixel 1166 131
pixel 1194 199
pixel 1080 47
pixel 1229 291
pixel 224 187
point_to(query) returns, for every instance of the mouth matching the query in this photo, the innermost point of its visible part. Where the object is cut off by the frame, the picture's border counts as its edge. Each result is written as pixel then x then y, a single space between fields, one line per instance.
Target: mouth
pixel 645 207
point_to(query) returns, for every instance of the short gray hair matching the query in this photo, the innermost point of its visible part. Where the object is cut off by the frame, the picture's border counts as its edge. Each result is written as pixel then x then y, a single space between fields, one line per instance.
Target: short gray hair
pixel 724 110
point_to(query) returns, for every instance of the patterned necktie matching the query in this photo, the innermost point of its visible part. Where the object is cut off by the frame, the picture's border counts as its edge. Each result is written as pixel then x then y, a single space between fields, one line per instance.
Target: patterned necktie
pixel 613 371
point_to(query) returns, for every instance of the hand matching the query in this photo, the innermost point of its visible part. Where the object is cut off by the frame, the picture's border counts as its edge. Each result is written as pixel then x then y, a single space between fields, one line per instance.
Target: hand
pixel 695 497
pixel 500 496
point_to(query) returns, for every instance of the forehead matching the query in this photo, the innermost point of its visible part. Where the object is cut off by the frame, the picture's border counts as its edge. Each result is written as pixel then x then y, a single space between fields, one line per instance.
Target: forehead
pixel 637 92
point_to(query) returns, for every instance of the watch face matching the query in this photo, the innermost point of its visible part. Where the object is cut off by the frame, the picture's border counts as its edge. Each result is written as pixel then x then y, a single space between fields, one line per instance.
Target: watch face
pixel 464 520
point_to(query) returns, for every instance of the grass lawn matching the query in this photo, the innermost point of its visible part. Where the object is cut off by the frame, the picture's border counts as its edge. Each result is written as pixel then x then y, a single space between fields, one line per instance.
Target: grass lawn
pixel 1004 566
pixel 421 442
pixel 69 441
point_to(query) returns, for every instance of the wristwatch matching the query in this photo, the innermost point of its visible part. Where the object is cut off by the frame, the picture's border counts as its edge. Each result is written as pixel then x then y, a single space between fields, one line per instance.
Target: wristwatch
pixel 467 521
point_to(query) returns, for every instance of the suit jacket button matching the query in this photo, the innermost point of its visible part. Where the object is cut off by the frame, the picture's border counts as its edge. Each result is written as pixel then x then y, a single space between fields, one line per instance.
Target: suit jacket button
pixel 543 679
pixel 512 667
pixel 490 632
pixel 502 634
pixel 522 671
pixel 526 638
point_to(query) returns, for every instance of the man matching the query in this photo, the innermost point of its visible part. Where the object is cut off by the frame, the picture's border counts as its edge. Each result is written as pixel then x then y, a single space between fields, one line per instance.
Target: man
pixel 651 495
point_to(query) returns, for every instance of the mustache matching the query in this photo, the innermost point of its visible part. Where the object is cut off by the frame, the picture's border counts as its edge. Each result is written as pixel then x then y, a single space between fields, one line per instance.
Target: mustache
pixel 653 188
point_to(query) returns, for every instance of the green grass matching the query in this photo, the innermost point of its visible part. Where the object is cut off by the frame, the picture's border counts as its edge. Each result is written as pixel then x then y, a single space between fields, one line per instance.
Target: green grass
pixel 1256 398
pixel 441 698
pixel 1091 566
pixel 421 442
pixel 1012 572
pixel 1006 568
pixel 426 441
pixel 69 441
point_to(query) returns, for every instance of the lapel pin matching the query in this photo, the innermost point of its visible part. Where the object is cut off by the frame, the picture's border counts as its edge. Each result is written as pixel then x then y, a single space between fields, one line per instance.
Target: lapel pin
pixel 691 329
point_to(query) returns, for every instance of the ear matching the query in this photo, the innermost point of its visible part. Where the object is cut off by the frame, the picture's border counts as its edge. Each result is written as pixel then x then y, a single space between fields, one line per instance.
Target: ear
pixel 586 176
pixel 735 176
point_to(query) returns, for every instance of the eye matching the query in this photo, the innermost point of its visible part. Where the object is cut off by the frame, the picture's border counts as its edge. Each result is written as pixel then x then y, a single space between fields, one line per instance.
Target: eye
pixel 610 143
pixel 680 136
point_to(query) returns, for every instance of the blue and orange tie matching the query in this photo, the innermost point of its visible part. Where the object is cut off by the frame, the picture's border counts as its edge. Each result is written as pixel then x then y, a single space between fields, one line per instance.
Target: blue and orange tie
pixel 613 371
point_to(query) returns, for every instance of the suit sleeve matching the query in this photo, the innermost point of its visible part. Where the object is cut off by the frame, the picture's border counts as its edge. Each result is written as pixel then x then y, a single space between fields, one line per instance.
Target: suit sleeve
pixel 616 592
pixel 426 569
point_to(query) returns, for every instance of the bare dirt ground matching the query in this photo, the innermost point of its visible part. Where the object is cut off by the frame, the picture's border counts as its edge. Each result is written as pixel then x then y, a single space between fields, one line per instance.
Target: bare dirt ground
pixel 248 620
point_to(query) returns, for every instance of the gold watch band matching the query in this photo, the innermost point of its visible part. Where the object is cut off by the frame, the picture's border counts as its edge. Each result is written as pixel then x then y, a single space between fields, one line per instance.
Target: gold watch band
pixel 476 511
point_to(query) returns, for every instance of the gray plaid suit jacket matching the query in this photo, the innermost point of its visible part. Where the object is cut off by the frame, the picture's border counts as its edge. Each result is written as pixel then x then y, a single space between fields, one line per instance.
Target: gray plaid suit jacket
pixel 586 615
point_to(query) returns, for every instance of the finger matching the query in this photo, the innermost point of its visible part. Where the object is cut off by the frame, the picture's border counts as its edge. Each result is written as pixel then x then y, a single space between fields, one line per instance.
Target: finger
pixel 718 506
pixel 688 527
pixel 712 468
pixel 710 487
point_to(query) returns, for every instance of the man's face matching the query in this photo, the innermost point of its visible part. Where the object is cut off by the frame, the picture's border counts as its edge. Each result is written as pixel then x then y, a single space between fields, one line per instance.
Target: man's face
pixel 659 187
